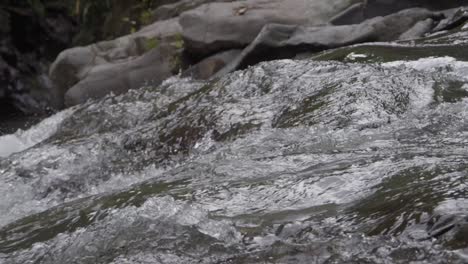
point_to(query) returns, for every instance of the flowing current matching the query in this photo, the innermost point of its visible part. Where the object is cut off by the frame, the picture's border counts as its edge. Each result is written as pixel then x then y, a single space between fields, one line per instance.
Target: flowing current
pixel 285 162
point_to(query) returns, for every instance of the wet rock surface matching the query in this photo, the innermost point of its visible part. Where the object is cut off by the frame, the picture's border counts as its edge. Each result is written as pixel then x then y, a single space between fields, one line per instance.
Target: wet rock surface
pixel 205 28
pixel 277 41
pixel 210 66
pixel 452 42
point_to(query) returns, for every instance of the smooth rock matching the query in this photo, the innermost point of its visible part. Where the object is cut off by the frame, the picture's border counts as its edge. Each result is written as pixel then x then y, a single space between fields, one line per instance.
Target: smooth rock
pixel 285 41
pixel 359 12
pixel 208 67
pixel 351 15
pixel 418 30
pixel 152 67
pixel 172 10
pixel 221 26
pixel 453 18
pixel 110 57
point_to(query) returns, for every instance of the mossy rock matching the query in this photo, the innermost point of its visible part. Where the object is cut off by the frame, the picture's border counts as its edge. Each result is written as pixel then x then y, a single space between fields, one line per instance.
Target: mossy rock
pixel 452 43
pixel 370 53
pixel 146 44
pixel 178 41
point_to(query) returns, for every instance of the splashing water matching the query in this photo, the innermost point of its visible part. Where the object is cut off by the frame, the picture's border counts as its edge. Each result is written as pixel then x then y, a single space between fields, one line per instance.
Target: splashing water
pixel 285 162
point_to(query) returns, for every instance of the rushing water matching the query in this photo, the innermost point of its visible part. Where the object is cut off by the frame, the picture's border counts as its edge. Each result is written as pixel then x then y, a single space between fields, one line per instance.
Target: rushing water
pixel 285 162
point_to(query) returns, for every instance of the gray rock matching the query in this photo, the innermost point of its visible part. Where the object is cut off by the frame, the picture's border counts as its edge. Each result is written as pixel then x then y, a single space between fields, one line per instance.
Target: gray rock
pixel 385 7
pixel 221 26
pixel 168 11
pixel 453 18
pixel 277 41
pixel 418 30
pixel 352 15
pixel 152 67
pixel 208 67
pixel 81 65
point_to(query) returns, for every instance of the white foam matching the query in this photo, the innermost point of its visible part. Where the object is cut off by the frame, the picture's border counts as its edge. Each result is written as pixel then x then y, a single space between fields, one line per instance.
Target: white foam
pixel 353 56
pixel 455 206
pixel 22 140
pixel 423 63
pixel 447 64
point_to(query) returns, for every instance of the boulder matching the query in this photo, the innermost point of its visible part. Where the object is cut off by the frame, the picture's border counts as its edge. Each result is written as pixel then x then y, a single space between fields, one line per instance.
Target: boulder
pixel 351 15
pixel 84 64
pixel 172 10
pixel 375 8
pixel 453 18
pixel 359 12
pixel 220 26
pixel 418 30
pixel 277 41
pixel 152 67
pixel 208 67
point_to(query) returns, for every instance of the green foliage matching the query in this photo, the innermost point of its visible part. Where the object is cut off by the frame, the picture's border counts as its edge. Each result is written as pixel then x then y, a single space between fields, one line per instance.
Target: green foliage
pixel 176 61
pixel 151 43
pixel 146 17
pixel 105 20
pixel 38 7
pixel 98 19
pixel 178 41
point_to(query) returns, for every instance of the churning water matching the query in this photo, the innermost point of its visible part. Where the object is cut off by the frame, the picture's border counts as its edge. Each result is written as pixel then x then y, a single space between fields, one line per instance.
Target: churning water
pixel 285 162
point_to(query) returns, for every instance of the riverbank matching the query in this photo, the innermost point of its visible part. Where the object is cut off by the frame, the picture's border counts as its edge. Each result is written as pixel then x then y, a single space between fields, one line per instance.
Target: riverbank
pixel 132 43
